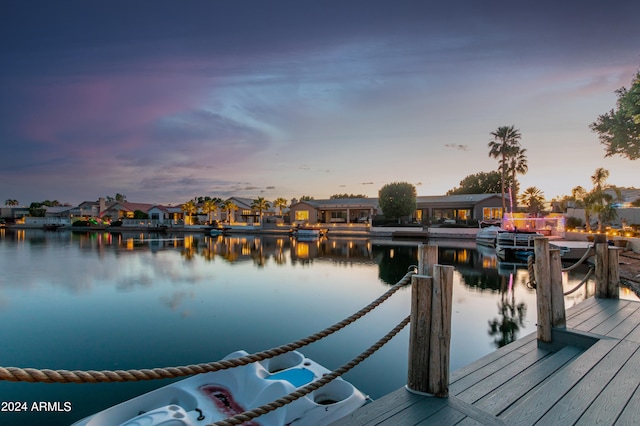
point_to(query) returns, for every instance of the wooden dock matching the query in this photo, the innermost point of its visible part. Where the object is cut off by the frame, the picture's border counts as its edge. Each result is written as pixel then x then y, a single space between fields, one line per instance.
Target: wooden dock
pixel 590 374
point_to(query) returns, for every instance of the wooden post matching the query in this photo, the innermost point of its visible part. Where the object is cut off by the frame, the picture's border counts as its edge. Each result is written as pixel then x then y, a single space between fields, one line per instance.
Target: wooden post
pixel 430 332
pixel 543 288
pixel 558 314
pixel 427 257
pixel 419 333
pixel 613 275
pixel 440 331
pixel 602 270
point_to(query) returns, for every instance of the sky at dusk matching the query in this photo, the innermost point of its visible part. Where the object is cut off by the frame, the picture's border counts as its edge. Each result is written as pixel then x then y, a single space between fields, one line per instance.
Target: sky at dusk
pixel 166 100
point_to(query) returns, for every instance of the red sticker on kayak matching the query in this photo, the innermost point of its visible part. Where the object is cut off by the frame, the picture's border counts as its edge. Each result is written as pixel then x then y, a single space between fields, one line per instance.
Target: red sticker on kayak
pixel 224 401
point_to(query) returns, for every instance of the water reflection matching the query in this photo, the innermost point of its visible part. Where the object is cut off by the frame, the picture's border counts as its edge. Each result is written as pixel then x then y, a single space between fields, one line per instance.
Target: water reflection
pixel 477 269
pixel 134 300
pixel 505 328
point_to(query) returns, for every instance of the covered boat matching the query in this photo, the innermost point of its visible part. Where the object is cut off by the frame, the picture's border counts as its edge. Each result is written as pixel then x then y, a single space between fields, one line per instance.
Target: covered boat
pixel 211 397
pixel 487 236
pixel 308 232
pixel 515 245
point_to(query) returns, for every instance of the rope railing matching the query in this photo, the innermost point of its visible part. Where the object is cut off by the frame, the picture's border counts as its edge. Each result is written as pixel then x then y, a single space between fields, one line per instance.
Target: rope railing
pixel 588 253
pixel 280 402
pixel 33 375
pixel 580 284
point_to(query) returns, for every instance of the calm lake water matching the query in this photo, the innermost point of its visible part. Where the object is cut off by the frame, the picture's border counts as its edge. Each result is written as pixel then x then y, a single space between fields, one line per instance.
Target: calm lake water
pixel 101 301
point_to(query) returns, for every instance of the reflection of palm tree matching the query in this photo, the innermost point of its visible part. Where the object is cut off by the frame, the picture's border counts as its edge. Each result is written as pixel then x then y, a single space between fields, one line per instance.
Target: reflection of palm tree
pixel 512 318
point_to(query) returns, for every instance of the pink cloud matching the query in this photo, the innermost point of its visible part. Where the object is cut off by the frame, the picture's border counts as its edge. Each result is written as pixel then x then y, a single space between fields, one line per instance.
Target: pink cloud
pixel 117 108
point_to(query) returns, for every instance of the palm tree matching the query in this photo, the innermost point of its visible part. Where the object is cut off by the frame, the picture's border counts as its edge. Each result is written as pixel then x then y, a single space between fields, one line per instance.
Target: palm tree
pixel 502 147
pixel 260 204
pixel 517 165
pixel 189 208
pixel 582 199
pixel 208 207
pixel 11 202
pixel 599 179
pixel 600 200
pixel 533 198
pixel 280 203
pixel 229 206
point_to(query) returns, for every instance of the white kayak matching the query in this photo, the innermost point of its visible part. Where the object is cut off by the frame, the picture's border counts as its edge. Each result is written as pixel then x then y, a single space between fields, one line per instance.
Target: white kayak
pixel 210 397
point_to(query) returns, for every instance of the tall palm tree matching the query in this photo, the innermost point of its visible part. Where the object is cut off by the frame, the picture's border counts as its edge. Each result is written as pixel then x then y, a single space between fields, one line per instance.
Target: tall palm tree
pixel 601 201
pixel 599 179
pixel 280 203
pixel 533 198
pixel 11 202
pixel 189 208
pixel 505 138
pixel 581 198
pixel 208 207
pixel 517 165
pixel 229 206
pixel 260 204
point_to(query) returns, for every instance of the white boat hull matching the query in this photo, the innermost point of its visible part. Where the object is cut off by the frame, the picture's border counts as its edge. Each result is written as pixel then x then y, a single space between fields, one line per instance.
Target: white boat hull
pixel 487 236
pixel 211 397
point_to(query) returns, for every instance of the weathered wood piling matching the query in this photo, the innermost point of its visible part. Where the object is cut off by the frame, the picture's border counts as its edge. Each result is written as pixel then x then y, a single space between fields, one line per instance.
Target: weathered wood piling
pixel 430 333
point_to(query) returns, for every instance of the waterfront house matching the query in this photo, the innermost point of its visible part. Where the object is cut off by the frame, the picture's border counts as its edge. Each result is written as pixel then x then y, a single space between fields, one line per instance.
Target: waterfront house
pixel 13 214
pixel 243 213
pixel 340 210
pixel 458 208
pixel 441 208
pixel 166 215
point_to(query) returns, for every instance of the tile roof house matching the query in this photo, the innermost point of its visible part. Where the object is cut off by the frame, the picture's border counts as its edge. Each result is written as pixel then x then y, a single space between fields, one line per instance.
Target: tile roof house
pixel 428 208
pixel 244 212
pixel 340 210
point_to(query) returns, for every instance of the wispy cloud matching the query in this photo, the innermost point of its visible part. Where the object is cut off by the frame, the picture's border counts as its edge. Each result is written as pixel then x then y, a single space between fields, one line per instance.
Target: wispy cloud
pixel 459 147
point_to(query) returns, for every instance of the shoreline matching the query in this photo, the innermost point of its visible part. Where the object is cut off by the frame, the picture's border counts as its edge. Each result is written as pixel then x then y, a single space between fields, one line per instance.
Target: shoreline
pixel 629 257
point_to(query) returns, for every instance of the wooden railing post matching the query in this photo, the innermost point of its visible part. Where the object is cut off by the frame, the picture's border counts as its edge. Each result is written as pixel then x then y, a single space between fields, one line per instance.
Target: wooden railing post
pixel 430 332
pixel 613 273
pixel 558 313
pixel 543 288
pixel 427 257
pixel 601 265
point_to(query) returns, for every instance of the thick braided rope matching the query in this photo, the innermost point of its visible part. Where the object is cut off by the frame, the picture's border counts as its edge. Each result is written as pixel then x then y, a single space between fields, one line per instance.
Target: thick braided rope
pixel 589 252
pixel 580 284
pixel 281 402
pixel 532 274
pixel 32 375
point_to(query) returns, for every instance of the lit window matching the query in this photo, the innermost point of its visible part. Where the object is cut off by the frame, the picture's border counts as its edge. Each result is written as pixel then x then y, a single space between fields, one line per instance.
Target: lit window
pixel 302 214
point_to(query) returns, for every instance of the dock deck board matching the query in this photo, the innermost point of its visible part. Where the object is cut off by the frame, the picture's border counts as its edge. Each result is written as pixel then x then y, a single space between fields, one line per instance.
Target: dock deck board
pixel 524 383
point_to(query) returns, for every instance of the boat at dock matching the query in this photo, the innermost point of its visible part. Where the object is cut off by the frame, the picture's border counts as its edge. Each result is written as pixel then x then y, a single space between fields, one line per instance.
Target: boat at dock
pixel 52 226
pixel 518 246
pixel 488 236
pixel 515 245
pixel 210 397
pixel 309 232
pixel 215 232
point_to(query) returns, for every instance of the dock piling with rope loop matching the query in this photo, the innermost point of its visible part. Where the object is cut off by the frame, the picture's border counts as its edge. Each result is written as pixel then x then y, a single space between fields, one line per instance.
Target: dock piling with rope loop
pixel 547 270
